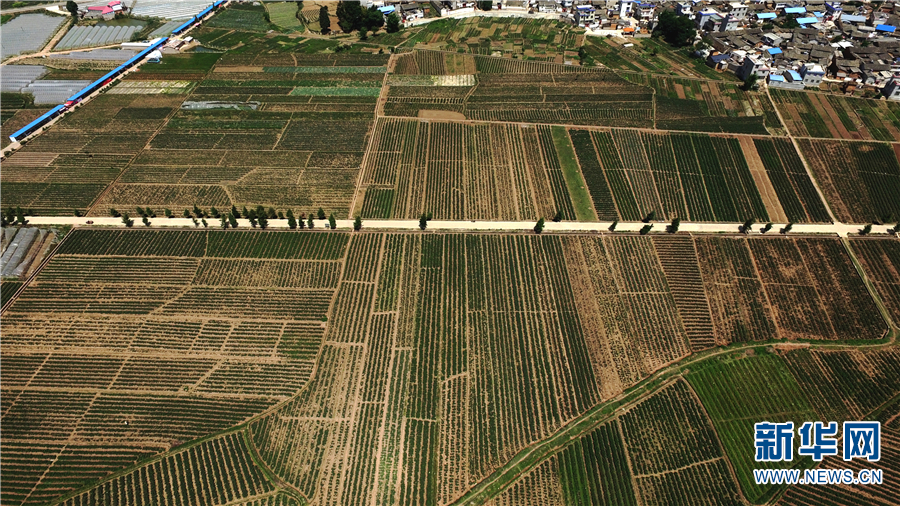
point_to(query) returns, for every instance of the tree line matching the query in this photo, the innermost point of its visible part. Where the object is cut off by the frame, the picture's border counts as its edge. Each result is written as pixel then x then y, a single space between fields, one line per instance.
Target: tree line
pixel 258 217
pixel 352 16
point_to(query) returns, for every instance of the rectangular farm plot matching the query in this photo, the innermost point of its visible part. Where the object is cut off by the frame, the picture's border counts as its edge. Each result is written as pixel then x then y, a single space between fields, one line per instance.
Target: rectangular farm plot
pixel 175 374
pixel 838 117
pixel 741 390
pixel 795 194
pixel 179 179
pixel 805 288
pixel 860 180
pixel 458 171
pixel 695 177
pixel 708 106
pixel 737 300
pixel 881 261
pixel 150 87
pixel 542 93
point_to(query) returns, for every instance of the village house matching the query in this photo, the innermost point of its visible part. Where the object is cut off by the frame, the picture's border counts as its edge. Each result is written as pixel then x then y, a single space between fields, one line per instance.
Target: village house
pixel 892 90
pixel 105 12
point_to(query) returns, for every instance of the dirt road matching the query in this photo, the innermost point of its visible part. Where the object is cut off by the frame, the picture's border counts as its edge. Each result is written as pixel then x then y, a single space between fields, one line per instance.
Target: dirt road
pixel 839 229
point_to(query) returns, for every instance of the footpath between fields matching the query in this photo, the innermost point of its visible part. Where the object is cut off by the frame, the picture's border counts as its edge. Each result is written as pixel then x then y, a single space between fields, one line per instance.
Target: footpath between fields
pixel 839 229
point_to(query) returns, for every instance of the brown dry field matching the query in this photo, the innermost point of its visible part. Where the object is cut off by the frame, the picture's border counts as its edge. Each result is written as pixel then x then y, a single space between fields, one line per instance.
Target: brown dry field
pixel 445 115
pixel 763 183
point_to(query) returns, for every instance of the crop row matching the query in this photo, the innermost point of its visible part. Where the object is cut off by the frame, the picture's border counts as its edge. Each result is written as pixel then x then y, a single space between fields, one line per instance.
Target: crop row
pixel 692 176
pixel 267 273
pixel 215 472
pixel 458 171
pixel 795 190
pixel 210 244
pixel 881 261
pixel 677 256
pixel 739 393
pixel 860 180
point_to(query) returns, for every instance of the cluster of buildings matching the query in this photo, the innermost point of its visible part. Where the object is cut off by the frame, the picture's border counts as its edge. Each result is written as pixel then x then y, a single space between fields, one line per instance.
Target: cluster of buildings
pixel 801 44
pixel 795 44
pixel 105 12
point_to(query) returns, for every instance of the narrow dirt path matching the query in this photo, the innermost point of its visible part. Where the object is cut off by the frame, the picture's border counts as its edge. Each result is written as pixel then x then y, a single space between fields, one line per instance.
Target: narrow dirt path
pixel 809 171
pixel 529 458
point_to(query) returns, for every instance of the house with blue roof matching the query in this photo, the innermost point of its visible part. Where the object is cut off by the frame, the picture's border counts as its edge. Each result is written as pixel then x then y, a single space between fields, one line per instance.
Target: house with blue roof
pixel 718 61
pixel 584 14
pixel 788 80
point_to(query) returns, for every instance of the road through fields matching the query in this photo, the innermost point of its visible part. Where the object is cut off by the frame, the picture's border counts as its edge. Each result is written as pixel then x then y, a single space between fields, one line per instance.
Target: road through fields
pixel 839 229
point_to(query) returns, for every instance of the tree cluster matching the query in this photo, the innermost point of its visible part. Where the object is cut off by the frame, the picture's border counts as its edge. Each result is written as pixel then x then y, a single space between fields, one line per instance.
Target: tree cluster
pixel 324 20
pixel 353 16
pixel 393 23
pixel 15 216
pixel 676 30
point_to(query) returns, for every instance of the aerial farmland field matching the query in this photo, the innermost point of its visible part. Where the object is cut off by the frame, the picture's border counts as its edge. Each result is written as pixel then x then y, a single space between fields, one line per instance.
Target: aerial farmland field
pixel 173 324
pixel 836 117
pixel 464 263
pixel 860 180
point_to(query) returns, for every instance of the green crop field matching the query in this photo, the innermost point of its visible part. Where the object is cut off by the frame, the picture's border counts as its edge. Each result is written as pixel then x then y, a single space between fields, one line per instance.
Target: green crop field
pixel 284 15
pixel 693 177
pixel 242 17
pixel 768 392
pixel 814 114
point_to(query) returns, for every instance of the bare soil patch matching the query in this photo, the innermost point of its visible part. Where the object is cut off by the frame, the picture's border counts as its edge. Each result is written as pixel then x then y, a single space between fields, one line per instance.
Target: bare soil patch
pixel 430 114
pixel 239 68
pixel 763 183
